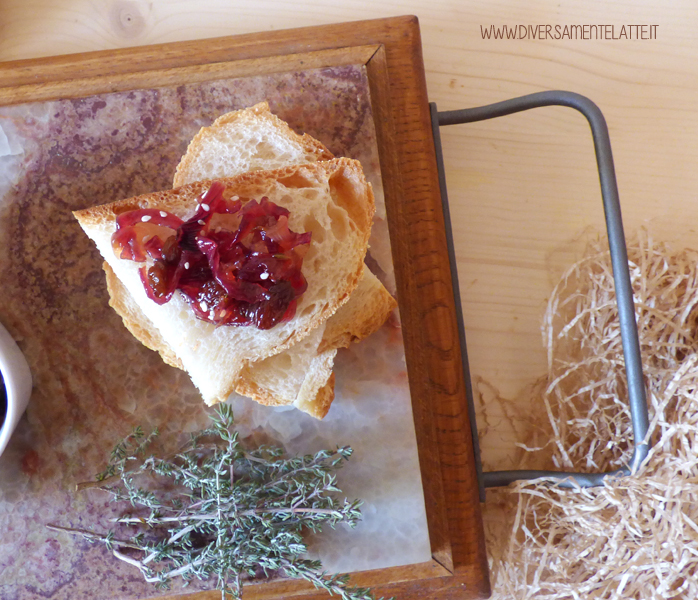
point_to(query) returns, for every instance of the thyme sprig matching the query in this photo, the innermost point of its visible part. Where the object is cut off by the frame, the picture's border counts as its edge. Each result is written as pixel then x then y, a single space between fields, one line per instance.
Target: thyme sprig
pixel 216 509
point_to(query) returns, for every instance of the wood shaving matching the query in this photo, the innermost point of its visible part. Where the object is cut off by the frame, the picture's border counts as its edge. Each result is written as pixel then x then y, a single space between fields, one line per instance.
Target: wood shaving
pixel 636 536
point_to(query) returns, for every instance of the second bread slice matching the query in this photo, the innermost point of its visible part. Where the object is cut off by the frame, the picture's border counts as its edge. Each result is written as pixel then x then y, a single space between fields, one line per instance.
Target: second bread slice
pixel 331 199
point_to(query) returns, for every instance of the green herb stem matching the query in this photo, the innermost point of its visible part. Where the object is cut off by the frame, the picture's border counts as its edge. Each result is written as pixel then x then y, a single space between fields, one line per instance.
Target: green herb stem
pixel 223 511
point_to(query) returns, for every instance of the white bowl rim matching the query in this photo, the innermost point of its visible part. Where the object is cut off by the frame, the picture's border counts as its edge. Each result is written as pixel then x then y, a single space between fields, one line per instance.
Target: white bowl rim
pixel 17 380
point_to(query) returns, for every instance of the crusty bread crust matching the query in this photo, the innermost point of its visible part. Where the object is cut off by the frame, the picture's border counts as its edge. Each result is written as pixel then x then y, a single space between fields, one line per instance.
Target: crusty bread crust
pixel 341 179
pixel 368 308
pixel 257 116
pixel 251 389
pixel 319 406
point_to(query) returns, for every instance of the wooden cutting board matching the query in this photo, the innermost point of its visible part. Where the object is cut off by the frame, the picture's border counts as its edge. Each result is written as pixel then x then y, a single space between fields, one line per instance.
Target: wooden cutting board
pixel 390 50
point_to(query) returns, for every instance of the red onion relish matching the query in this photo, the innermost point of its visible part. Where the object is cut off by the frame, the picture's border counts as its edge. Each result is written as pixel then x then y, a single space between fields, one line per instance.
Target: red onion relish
pixel 235 262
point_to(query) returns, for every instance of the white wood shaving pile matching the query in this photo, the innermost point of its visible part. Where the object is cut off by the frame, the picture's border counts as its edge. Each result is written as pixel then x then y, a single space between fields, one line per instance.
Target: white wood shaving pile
pixel 637 536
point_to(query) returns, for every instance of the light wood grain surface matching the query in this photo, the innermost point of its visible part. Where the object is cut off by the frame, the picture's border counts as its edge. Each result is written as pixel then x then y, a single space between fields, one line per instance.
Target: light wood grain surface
pixel 523 189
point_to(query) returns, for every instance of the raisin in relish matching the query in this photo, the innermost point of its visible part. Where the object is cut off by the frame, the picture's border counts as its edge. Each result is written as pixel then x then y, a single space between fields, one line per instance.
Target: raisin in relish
pixel 235 261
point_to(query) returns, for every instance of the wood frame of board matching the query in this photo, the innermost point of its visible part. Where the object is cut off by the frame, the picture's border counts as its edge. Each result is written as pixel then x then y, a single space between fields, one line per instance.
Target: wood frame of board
pixel 391 50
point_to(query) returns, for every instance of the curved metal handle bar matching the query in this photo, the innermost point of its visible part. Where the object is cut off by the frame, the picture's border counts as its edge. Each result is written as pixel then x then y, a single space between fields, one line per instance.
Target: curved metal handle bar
pixel 619 260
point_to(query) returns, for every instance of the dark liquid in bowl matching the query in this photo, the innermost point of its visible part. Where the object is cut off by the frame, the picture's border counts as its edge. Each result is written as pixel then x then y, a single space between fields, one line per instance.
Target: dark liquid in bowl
pixel 3 402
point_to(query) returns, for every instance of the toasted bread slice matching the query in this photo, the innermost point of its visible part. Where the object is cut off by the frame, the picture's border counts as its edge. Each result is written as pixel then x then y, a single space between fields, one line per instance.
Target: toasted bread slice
pixel 291 377
pixel 254 138
pixel 331 199
pixel 369 305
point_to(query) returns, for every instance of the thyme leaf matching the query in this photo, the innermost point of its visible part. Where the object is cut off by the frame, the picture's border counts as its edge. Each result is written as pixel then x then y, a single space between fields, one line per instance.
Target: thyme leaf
pixel 214 509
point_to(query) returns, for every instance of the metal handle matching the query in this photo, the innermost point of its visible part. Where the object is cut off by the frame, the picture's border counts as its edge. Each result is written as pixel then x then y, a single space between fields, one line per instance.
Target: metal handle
pixel 621 276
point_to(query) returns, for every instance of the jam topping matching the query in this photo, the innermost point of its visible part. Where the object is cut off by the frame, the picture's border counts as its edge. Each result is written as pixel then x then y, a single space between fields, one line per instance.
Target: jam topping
pixel 234 262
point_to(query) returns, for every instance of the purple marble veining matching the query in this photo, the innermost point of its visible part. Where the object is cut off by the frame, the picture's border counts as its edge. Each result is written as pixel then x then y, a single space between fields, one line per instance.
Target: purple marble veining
pixel 93 381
